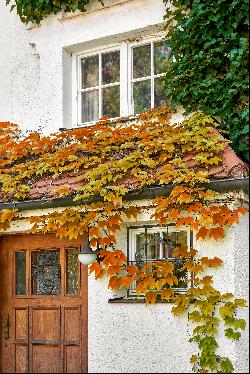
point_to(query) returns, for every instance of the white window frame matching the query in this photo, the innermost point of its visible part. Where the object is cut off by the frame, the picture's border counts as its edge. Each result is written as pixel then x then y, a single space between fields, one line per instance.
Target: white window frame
pixel 126 78
pixel 131 250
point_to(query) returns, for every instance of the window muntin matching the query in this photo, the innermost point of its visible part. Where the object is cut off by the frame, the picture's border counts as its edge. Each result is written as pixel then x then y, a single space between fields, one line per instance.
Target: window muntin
pixel 100 86
pixel 150 243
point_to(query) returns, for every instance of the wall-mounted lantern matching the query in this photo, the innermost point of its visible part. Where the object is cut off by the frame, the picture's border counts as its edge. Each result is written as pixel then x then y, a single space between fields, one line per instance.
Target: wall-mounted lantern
pixel 86 256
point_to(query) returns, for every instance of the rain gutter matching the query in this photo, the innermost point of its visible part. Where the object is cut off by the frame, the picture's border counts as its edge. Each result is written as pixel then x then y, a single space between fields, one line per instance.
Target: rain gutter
pixel 220 185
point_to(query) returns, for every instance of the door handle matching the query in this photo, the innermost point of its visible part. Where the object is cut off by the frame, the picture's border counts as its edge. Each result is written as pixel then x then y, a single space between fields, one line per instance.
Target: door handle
pixel 5 326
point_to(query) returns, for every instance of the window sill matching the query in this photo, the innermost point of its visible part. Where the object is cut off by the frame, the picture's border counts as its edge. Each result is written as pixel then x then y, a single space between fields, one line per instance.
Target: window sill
pixel 124 300
pixel 112 120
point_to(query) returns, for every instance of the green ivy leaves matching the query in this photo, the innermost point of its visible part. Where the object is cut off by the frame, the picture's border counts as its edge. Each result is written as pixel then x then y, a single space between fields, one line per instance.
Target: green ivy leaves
pixel 210 43
pixel 36 10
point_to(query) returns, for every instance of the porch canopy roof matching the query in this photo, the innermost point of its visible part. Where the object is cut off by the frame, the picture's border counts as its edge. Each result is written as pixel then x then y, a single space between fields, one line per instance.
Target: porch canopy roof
pixel 231 173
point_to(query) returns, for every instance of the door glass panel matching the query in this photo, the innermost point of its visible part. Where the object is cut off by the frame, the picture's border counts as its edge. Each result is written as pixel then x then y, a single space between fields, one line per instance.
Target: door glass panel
pixel 46 273
pixel 20 273
pixel 72 271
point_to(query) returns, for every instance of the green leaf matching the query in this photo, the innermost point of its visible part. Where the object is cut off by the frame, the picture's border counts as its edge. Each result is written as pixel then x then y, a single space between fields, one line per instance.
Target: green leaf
pixel 232 335
pixel 226 365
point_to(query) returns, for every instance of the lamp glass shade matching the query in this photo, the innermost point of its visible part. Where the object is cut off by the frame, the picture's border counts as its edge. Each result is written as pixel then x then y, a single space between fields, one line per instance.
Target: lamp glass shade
pixel 87 258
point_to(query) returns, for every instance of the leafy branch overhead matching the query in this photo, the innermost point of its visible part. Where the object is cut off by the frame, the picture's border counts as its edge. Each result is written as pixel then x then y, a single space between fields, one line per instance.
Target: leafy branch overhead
pixel 36 10
pixel 210 43
pixel 109 161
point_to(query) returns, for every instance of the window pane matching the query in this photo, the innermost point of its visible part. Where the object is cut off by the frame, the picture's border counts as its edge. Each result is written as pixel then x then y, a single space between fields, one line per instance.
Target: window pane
pixel 177 238
pixel 142 61
pixel 162 53
pixel 72 269
pixel 90 71
pixel 142 96
pixel 20 273
pixel 149 251
pixel 153 251
pixel 160 97
pixel 90 106
pixel 110 67
pixel 111 101
pixel 46 273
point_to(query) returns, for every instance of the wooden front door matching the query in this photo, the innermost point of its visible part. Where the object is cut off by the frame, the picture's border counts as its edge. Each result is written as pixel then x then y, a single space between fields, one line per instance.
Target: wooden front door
pixel 43 305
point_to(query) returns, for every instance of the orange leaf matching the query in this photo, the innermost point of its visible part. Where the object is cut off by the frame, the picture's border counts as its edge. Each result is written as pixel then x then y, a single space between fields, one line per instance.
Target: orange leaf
pixel 114 282
pixel 202 233
pixel 151 297
pixel 97 268
pixel 167 293
pixel 212 262
pixel 94 232
pixel 126 282
pixel 131 269
pixel 114 270
pixel 216 233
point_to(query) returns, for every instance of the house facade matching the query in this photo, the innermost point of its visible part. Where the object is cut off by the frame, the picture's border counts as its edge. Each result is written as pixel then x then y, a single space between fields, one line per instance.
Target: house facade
pixel 66 73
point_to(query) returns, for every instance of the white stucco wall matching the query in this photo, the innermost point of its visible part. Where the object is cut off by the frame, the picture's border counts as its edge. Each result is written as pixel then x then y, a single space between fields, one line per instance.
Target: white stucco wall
pixel 35 63
pixel 135 338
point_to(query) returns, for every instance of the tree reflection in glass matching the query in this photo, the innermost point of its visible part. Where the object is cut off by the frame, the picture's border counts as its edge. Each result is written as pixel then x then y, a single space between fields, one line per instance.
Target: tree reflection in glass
pixel 162 53
pixel 142 96
pixel 142 61
pixel 111 101
pixel 159 94
pixel 90 71
pixel 110 67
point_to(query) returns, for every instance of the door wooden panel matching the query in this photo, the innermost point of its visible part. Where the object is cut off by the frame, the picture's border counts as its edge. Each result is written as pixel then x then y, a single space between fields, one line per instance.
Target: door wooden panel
pixel 21 358
pixel 72 359
pixel 21 324
pixel 46 359
pixel 43 295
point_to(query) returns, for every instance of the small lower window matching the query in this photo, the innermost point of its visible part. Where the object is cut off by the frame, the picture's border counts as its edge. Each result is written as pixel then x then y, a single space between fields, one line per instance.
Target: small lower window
pixel 151 243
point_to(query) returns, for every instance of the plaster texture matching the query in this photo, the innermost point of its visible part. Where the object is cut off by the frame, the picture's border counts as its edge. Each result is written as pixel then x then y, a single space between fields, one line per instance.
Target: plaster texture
pixel 135 338
pixel 35 62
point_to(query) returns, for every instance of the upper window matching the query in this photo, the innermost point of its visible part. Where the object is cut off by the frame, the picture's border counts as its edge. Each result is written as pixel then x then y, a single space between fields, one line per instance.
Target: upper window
pixel 122 81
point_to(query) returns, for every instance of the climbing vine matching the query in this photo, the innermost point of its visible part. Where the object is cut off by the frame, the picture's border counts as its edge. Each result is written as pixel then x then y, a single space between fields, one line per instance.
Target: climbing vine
pixel 36 10
pixel 210 43
pixel 110 161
